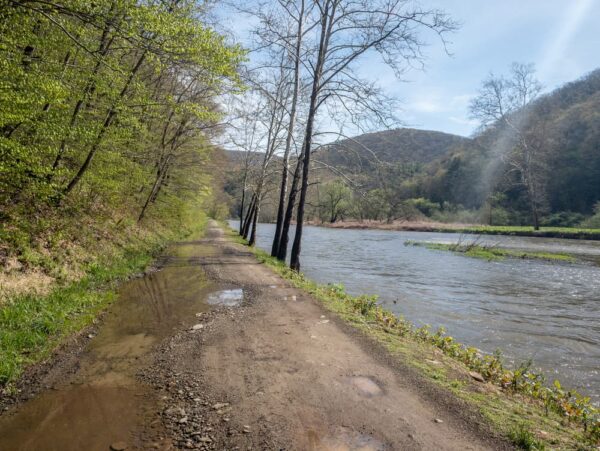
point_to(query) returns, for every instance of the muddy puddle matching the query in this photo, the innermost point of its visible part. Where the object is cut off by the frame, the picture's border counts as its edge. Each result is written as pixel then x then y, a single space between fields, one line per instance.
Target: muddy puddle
pixel 190 249
pixel 103 402
pixel 365 386
pixel 344 439
pixel 227 298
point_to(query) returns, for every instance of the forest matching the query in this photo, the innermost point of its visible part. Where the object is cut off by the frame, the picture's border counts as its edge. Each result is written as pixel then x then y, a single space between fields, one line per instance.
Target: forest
pixel 107 118
pixel 419 175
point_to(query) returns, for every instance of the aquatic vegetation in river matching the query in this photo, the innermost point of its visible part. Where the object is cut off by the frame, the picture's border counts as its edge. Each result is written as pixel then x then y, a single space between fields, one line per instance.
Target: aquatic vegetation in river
pixel 492 252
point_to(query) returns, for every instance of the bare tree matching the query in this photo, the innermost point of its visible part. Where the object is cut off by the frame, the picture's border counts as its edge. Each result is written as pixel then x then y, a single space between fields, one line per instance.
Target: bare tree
pixel 245 138
pixel 343 32
pixel 507 104
pixel 277 111
pixel 298 17
pixel 261 125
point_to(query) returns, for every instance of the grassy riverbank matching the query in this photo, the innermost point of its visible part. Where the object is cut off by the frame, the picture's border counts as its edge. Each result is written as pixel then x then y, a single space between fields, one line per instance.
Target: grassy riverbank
pixel 545 232
pixel 422 226
pixel 517 402
pixel 34 322
pixel 492 253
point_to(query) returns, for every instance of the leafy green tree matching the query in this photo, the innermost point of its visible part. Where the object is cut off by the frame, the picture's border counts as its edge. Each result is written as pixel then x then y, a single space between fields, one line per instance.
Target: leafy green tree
pixel 335 200
pixel 108 106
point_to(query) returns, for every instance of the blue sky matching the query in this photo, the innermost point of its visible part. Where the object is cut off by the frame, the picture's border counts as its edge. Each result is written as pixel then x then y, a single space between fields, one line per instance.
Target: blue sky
pixel 561 37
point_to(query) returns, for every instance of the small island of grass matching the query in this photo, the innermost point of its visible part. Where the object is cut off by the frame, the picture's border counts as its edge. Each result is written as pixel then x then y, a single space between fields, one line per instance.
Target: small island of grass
pixel 493 253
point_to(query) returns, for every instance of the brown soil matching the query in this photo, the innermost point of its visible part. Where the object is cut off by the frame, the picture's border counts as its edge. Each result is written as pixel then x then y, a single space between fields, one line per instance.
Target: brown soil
pixel 269 370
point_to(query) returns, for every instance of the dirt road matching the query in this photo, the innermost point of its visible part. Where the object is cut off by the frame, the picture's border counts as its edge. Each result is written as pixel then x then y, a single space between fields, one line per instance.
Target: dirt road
pixel 215 351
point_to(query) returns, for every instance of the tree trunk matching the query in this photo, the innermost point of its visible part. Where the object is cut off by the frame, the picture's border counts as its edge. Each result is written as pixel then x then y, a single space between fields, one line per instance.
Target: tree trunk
pixel 248 219
pixel 247 216
pixel 160 177
pixel 289 212
pixel 534 213
pixel 312 111
pixel 107 122
pixel 103 49
pixel 289 138
pixel 252 240
pixel 242 210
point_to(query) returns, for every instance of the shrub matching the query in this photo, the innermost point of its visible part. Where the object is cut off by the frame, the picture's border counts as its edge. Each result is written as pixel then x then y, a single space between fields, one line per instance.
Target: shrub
pixel 425 206
pixel 525 439
pixel 563 219
pixel 593 222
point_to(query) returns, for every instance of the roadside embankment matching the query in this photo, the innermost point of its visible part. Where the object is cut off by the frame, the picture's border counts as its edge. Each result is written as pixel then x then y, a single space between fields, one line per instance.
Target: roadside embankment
pixel 224 348
pixel 54 292
pixel 217 351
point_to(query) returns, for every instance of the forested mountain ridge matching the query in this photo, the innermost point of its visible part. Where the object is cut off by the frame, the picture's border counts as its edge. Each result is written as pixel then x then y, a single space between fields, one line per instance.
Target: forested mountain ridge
pixel 569 160
pixel 471 179
pixel 398 146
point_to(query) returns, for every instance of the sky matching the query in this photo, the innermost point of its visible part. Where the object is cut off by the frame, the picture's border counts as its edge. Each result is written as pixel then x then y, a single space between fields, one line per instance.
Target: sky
pixel 561 37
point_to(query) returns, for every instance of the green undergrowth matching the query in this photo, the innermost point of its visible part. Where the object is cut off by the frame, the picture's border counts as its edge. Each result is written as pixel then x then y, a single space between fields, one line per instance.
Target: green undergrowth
pixel 33 325
pixel 517 402
pixel 493 253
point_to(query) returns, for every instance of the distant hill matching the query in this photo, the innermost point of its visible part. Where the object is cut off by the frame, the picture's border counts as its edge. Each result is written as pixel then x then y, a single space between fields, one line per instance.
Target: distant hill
pixel 402 145
pixel 237 157
pixel 467 175
pixel 572 156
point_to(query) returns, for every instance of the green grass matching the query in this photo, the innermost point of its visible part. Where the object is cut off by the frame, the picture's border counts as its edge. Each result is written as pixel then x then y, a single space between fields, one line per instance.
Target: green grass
pixel 511 399
pixel 32 326
pixel 548 232
pixel 524 439
pixel 493 253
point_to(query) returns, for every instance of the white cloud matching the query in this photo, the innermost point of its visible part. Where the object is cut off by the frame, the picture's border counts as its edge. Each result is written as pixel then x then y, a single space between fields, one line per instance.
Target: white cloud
pixel 463 121
pixel 427 106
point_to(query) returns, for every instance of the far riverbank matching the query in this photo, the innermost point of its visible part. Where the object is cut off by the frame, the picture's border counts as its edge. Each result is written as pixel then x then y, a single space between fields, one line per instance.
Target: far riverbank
pixel 478 229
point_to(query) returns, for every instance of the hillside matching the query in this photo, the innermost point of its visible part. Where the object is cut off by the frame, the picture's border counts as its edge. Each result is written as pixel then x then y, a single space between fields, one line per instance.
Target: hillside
pixel 402 145
pixel 469 179
pixel 569 159
pixel 455 178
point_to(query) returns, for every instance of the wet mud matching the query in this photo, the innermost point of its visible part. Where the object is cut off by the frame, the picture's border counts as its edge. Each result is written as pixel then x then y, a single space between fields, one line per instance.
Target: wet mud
pixel 104 402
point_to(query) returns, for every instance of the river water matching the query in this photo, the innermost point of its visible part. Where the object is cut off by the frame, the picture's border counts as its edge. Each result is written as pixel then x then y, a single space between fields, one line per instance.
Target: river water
pixel 545 311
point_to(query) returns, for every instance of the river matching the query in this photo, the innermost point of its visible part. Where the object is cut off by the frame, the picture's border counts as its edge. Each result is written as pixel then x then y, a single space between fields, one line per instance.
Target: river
pixel 530 309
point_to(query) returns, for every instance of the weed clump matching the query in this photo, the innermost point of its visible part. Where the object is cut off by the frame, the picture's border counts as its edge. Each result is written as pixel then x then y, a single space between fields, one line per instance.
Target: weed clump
pixel 524 439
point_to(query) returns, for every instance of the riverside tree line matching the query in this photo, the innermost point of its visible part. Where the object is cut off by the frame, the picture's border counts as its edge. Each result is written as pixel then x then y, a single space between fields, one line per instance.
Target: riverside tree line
pixel 305 86
pixel 533 161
